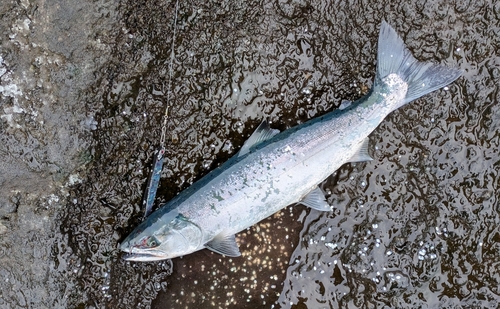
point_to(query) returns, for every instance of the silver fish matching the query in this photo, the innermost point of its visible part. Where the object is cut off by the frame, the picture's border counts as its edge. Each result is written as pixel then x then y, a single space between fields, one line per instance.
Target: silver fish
pixel 274 170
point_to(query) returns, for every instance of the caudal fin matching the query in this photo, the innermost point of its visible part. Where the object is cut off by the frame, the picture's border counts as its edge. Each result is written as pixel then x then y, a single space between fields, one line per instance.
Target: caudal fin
pixel 395 58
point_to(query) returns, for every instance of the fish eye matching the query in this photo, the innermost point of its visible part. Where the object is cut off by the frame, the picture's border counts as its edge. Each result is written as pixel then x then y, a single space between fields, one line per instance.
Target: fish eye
pixel 149 242
pixel 152 242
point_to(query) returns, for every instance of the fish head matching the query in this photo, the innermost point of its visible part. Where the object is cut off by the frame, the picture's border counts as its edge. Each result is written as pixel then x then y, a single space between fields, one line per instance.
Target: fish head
pixel 164 237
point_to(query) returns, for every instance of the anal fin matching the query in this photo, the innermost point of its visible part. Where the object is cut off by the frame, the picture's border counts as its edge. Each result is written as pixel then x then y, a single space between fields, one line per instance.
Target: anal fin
pixel 316 200
pixel 225 245
pixel 362 153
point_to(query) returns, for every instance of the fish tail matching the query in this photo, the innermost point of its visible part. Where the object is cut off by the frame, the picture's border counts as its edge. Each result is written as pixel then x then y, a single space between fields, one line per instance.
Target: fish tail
pixel 421 77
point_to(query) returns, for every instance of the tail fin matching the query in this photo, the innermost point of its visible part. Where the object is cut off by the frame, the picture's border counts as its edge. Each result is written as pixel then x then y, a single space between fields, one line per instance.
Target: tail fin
pixel 422 78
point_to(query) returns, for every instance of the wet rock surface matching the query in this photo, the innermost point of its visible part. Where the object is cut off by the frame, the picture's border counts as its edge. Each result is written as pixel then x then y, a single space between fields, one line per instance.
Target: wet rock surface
pixel 49 53
pixel 84 85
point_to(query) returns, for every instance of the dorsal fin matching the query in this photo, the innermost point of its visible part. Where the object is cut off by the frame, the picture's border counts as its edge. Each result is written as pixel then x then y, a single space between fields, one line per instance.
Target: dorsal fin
pixel 261 134
pixel 345 104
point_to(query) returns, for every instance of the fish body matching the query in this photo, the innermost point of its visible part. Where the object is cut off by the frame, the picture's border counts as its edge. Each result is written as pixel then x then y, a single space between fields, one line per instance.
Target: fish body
pixel 273 170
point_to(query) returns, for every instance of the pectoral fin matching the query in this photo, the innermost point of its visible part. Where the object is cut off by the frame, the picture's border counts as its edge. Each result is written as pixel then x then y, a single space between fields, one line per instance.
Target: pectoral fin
pixel 225 245
pixel 316 200
pixel 261 134
pixel 362 153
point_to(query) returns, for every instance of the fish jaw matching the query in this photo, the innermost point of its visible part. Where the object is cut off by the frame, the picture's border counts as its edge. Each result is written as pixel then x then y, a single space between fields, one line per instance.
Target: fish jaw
pixel 137 257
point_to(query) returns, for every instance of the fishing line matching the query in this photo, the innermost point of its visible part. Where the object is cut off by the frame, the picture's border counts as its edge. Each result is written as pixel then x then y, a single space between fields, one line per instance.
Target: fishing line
pixel 155 173
pixel 170 76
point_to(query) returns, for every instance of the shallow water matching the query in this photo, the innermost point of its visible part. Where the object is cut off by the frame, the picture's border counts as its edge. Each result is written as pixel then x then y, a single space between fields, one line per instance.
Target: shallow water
pixel 416 227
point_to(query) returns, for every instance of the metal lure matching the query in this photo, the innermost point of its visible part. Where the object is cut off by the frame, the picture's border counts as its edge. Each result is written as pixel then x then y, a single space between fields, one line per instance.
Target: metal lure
pixel 153 181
